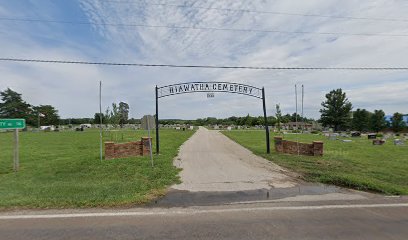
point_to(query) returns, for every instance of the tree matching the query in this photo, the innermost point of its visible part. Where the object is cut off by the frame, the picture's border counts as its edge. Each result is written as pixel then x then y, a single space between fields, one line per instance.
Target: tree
pixel 336 110
pixel 13 105
pixel 287 118
pixel 377 121
pixel 397 122
pixel 123 113
pixel 48 114
pixel 118 115
pixel 295 117
pixel 97 118
pixel 114 116
pixel 278 117
pixel 361 120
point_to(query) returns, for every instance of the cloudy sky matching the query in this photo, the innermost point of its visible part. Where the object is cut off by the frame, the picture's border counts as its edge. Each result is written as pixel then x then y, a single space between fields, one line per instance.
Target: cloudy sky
pixel 134 31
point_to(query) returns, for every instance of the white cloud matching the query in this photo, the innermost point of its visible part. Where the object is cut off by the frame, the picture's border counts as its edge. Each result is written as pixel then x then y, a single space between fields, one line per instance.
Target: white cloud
pixel 371 90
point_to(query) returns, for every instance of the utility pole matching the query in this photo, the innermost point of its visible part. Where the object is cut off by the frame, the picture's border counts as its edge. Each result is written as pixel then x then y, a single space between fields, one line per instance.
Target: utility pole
pixel 303 122
pixel 157 122
pixel 296 118
pixel 100 120
pixel 296 113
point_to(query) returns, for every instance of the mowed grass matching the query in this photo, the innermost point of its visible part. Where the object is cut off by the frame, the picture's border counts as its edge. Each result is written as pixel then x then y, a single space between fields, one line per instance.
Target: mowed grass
pixel 358 164
pixel 63 169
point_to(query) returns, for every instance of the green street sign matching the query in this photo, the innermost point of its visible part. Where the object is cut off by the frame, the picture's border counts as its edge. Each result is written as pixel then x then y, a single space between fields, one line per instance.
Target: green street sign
pixel 12 123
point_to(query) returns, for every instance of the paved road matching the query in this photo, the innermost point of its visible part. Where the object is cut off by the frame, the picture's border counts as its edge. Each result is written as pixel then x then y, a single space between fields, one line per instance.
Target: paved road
pixel 266 221
pixel 212 162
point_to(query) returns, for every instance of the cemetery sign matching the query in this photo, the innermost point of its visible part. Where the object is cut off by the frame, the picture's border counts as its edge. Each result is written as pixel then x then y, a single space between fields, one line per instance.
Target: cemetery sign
pixel 210 88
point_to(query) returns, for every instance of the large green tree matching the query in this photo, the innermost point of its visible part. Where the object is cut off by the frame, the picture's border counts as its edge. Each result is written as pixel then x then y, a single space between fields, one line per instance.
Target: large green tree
pixel 397 122
pixel 336 110
pixel 361 120
pixel 97 118
pixel 13 106
pixel 123 113
pixel 113 115
pixel 377 121
pixel 47 114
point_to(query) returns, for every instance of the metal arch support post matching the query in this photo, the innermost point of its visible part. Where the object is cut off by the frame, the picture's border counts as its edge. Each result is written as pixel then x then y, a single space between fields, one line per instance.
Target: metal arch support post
pixel 157 123
pixel 268 144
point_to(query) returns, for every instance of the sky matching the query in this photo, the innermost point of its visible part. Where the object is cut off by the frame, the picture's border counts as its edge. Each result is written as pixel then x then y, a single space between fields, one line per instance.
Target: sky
pixel 94 31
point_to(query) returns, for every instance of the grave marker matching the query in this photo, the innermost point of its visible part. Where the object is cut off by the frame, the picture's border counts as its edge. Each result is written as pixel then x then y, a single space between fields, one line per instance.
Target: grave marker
pixel 372 136
pixel 399 142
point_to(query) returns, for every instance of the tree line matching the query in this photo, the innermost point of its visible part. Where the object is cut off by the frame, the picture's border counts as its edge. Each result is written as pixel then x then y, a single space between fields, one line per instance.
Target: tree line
pixel 336 112
pixel 13 106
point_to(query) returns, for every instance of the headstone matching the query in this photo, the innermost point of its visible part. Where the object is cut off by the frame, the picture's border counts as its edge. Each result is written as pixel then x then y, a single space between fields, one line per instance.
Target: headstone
pixel 347 140
pixel 399 142
pixel 378 142
pixel 229 128
pixel 372 136
pixel 191 127
pixel 333 136
pixel 355 134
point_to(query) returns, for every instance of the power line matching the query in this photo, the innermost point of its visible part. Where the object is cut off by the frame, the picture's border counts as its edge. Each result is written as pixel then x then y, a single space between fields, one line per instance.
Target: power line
pixel 203 66
pixel 199 28
pixel 145 3
pixel 268 12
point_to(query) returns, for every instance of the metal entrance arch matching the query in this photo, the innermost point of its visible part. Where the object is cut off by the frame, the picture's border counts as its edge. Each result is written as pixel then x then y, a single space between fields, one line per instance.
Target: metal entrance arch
pixel 226 87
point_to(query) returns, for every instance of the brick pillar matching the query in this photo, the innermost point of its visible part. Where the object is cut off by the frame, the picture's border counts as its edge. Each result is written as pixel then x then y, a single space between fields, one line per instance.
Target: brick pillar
pixel 109 150
pixel 278 144
pixel 145 146
pixel 317 148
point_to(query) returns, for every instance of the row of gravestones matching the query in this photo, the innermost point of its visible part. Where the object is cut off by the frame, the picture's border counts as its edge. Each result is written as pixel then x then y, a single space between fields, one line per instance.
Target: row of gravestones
pixel 335 136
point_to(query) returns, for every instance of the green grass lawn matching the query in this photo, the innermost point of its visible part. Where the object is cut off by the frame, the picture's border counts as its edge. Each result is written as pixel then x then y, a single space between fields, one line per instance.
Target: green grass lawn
pixel 63 169
pixel 358 164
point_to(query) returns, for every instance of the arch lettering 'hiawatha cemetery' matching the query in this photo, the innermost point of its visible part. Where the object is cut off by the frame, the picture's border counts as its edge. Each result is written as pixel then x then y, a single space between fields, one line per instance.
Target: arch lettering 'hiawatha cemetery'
pixel 226 87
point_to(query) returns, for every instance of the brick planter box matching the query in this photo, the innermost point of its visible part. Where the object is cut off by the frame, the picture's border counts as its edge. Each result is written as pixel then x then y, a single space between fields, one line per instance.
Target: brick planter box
pixel 290 147
pixel 129 149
